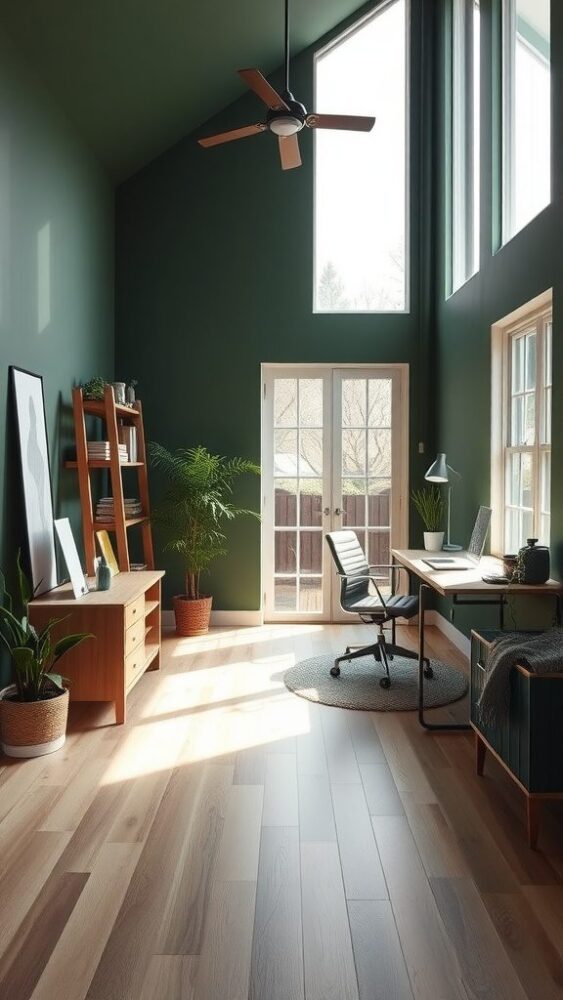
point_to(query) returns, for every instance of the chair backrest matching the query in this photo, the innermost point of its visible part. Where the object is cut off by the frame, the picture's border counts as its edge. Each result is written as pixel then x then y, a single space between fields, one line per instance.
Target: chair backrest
pixel 349 557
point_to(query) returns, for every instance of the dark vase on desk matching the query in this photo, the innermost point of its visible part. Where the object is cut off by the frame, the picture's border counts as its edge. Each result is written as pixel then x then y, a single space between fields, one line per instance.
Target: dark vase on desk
pixel 532 565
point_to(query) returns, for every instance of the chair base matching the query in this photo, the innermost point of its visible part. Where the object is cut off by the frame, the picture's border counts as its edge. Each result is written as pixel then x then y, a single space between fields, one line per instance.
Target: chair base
pixel 382 653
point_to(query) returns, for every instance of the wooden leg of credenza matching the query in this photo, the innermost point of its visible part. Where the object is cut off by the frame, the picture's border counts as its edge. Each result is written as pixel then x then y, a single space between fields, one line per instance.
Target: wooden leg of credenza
pixel 120 708
pixel 480 752
pixel 533 807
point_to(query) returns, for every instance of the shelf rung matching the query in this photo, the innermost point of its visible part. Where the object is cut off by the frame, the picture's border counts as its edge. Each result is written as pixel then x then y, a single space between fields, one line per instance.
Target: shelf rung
pixel 97 408
pixel 110 525
pixel 104 463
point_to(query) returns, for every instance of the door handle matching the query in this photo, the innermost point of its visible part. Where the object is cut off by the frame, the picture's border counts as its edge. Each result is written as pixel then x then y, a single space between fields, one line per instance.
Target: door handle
pixel 326 511
pixel 338 511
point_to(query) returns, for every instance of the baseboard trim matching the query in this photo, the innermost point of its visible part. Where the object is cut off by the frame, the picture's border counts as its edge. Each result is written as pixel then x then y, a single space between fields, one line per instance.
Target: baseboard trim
pixel 223 619
pixel 450 631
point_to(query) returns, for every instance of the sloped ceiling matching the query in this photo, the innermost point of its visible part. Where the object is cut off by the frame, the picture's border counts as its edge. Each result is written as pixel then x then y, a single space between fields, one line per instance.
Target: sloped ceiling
pixel 136 75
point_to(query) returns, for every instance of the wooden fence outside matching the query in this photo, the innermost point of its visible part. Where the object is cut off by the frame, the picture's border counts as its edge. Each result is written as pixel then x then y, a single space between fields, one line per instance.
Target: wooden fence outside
pixel 311 542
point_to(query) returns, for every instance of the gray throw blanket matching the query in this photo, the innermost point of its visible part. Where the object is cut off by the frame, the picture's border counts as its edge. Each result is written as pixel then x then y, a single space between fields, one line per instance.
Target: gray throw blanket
pixel 540 653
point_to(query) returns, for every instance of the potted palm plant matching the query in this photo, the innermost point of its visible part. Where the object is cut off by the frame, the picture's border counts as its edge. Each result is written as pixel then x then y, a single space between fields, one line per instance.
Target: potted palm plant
pixel 34 709
pixel 194 511
pixel 431 506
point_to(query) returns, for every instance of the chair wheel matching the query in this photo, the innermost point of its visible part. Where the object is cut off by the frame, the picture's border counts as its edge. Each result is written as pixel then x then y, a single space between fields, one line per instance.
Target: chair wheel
pixel 428 672
pixel 335 671
pixel 385 682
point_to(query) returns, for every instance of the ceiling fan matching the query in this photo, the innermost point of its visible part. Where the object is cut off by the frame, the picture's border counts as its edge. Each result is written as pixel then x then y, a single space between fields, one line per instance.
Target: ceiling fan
pixel 286 116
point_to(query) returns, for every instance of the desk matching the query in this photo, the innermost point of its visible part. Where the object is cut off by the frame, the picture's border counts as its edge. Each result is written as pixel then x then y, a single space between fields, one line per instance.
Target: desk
pixel 465 587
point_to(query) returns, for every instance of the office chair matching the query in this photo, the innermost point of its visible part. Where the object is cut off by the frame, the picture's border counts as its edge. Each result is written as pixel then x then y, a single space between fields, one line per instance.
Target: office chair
pixel 355 598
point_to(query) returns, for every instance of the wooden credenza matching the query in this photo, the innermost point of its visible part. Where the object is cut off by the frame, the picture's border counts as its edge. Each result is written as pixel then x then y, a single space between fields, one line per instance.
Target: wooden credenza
pixel 125 623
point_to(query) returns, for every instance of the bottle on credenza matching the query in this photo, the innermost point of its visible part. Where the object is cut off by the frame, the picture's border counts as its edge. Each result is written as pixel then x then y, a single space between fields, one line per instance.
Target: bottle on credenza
pixel 103 575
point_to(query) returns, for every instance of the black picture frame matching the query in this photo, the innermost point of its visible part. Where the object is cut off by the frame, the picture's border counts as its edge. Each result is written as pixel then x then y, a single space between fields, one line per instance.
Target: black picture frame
pixel 28 400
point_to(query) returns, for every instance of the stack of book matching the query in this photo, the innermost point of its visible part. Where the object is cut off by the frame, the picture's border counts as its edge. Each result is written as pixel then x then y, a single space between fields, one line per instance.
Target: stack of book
pixel 105 509
pixel 100 451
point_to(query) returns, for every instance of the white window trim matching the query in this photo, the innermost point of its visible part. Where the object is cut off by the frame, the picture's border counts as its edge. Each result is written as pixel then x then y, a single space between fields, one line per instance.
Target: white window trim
pixel 464 234
pixel 540 307
pixel 356 26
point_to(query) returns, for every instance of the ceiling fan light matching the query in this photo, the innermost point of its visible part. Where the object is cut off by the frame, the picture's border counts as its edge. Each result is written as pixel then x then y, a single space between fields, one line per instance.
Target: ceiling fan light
pixel 285 125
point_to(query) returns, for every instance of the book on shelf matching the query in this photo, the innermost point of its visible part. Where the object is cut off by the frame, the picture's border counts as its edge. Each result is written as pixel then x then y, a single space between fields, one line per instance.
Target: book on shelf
pixel 129 436
pixel 101 451
pixel 105 509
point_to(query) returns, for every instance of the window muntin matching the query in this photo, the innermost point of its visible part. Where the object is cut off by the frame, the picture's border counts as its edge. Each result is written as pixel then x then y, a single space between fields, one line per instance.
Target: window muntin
pixel 465 107
pixel 360 226
pixel 526 112
pixel 527 432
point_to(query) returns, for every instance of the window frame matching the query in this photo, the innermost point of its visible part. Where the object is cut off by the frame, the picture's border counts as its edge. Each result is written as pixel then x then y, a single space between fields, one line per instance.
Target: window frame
pixel 464 115
pixel 537 315
pixel 509 32
pixel 356 26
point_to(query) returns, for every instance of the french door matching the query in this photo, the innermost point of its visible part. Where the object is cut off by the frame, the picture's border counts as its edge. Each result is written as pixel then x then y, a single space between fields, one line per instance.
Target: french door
pixel 334 454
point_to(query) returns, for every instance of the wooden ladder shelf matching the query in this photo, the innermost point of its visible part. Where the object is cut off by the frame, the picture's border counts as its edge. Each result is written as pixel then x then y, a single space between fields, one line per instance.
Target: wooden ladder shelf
pixel 115 416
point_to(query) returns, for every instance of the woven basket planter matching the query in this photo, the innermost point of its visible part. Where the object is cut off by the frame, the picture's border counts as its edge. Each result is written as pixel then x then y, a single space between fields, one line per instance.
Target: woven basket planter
pixel 32 728
pixel 192 615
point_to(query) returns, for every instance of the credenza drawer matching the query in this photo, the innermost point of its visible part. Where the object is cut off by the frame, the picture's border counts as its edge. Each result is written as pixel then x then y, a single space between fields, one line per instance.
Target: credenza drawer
pixel 135 612
pixel 134 635
pixel 134 664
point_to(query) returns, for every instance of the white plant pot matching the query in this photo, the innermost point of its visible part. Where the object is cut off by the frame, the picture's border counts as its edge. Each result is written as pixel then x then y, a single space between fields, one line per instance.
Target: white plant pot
pixel 433 540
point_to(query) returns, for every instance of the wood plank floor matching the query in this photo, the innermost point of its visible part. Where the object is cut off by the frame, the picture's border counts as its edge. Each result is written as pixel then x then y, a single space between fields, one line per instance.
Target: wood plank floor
pixel 233 841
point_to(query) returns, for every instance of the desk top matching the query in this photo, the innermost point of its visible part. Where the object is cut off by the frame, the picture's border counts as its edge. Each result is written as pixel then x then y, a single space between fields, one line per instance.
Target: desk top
pixel 125 587
pixel 467 581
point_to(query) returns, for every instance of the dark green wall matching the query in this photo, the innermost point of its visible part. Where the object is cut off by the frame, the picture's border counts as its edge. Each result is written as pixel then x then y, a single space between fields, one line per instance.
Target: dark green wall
pixel 529 264
pixel 214 276
pixel 48 182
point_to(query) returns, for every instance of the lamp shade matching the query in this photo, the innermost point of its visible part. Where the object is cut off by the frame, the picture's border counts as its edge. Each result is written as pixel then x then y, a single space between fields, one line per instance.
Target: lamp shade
pixel 438 471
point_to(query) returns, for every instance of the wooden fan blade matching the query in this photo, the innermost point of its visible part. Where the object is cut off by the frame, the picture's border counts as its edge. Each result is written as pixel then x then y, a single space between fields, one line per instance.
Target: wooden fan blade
pixel 352 123
pixel 289 151
pixel 259 84
pixel 236 133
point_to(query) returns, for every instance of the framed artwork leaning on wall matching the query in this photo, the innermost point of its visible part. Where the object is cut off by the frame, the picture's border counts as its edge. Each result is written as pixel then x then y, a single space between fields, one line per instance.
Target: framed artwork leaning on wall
pixel 29 403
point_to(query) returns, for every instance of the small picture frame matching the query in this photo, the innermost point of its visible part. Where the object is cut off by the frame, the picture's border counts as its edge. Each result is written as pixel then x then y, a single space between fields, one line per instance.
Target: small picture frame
pixel 106 548
pixel 71 557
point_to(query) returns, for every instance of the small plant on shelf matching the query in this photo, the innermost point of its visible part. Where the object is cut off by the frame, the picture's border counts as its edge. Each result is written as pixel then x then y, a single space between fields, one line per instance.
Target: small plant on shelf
pixel 94 388
pixel 194 511
pixel 33 710
pixel 431 506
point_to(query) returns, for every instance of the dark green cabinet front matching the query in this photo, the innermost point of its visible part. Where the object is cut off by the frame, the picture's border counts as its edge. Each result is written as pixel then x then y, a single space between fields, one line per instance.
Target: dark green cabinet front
pixel 530 740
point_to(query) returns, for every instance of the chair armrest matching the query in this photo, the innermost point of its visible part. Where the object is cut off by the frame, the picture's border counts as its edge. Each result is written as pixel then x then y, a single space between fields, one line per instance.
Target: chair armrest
pixel 364 576
pixel 395 567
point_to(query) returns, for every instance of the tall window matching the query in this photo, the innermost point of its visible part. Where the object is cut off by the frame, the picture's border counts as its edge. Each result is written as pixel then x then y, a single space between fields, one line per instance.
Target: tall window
pixel 465 140
pixel 360 178
pixel 526 112
pixel 522 465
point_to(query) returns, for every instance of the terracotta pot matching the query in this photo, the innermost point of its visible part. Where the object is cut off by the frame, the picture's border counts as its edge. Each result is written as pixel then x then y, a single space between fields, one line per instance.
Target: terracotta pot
pixel 32 728
pixel 192 614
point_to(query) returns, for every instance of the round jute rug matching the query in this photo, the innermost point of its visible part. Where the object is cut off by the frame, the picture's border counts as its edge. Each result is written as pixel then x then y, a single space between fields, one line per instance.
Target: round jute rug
pixel 358 685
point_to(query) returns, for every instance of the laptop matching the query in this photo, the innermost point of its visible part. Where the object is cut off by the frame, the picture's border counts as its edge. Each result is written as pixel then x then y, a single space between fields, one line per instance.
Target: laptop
pixel 471 558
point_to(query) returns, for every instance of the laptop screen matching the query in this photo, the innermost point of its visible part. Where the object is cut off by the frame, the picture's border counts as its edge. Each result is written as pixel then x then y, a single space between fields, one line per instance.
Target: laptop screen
pixel 479 533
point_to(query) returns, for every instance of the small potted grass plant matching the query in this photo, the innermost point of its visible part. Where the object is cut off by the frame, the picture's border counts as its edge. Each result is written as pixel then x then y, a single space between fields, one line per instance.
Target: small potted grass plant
pixel 431 506
pixel 34 708
pixel 193 513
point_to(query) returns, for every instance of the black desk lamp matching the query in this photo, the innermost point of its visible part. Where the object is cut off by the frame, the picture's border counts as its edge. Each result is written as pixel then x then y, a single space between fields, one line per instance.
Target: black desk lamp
pixel 441 472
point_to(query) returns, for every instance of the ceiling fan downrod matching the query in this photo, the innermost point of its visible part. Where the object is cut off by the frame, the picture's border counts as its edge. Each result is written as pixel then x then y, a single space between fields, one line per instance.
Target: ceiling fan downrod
pixel 287 90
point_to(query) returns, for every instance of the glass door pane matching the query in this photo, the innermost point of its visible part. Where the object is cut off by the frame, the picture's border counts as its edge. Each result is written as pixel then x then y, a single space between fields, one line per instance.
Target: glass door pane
pixel 363 464
pixel 298 467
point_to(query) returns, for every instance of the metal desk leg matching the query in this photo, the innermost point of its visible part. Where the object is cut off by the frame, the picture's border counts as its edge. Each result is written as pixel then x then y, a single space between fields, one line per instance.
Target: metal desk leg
pixel 432 726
